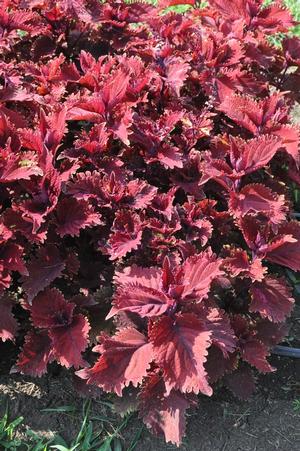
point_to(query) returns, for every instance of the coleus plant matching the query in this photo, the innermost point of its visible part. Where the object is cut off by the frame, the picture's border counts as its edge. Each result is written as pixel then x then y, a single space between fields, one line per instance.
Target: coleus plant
pixel 147 162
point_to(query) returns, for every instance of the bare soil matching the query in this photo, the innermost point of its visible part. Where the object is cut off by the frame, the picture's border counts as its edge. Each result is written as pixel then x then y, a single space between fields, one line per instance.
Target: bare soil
pixel 267 422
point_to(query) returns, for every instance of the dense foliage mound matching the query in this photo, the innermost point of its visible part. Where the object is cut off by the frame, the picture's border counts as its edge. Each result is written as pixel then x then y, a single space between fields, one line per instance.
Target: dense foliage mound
pixel 146 168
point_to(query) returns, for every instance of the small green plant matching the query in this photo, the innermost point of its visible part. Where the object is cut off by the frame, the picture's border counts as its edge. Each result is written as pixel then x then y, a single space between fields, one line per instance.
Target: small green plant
pixel 7 432
pixel 296 405
pixel 95 434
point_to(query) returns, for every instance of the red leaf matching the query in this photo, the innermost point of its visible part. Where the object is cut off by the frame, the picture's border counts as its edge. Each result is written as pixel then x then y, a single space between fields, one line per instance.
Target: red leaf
pixel 257 198
pixel 180 349
pixel 90 110
pixel 139 194
pixel 17 166
pixel 275 18
pixel 164 414
pixel 8 136
pixel 43 269
pixel 198 273
pixel 162 204
pixel 45 199
pixel 167 3
pixel 8 323
pixel 245 111
pixel 271 333
pixel 285 248
pixel 11 257
pixel 142 300
pixel 176 72
pixel 50 309
pixel 73 215
pixel 222 334
pixel 125 359
pixel 272 299
pixel 255 352
pixel 249 156
pixel 14 219
pixel 70 341
pixel 126 236
pixel 94 141
pixel 233 11
pixel 238 265
pixel 148 277
pixel 35 355
pixel 114 91
pixel 291 47
pixel 290 140
pixel 217 365
pixel 252 350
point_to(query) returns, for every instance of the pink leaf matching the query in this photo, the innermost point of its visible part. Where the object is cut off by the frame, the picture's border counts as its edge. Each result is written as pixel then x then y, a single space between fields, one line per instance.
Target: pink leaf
pixel 14 167
pixel 125 359
pixel 139 194
pixel 144 301
pixel 198 273
pixel 249 156
pixel 148 277
pixel 290 140
pixel 257 198
pixel 167 3
pixel 222 334
pixel 176 73
pixel 245 111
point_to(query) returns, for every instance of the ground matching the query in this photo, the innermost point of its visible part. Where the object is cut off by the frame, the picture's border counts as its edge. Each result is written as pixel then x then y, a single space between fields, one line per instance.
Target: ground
pixel 267 422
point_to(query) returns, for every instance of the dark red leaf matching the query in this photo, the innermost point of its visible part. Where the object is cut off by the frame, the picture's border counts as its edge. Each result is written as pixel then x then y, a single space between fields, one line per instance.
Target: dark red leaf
pixel 73 215
pixel 180 349
pixel 70 341
pixel 166 416
pixel 42 269
pixel 286 250
pixel 36 354
pixel 8 323
pixel 50 309
pixel 272 299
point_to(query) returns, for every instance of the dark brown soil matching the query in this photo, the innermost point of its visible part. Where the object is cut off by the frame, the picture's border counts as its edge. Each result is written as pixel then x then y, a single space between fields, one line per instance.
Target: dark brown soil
pixel 267 422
